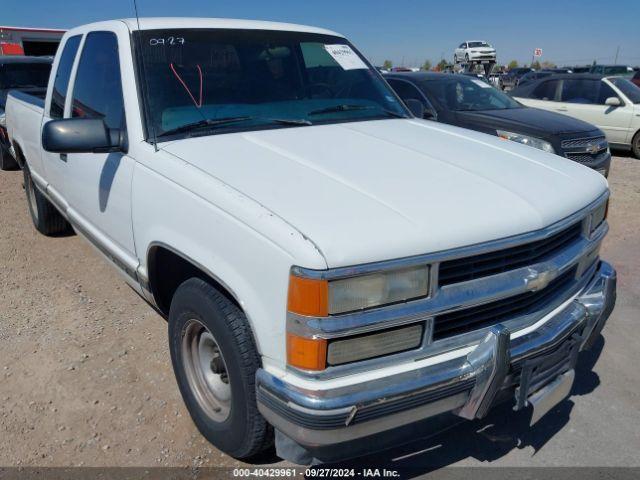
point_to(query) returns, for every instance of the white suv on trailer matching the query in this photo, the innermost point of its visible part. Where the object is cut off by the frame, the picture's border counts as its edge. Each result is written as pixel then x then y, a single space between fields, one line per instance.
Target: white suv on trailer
pixel 474 51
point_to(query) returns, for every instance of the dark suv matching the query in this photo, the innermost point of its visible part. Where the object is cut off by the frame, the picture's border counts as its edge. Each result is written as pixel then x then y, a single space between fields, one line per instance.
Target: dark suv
pixel 29 74
pixel 470 103
pixel 510 79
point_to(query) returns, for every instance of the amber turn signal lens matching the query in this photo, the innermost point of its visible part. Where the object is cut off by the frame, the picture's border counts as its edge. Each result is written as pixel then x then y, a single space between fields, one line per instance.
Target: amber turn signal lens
pixel 308 296
pixel 306 353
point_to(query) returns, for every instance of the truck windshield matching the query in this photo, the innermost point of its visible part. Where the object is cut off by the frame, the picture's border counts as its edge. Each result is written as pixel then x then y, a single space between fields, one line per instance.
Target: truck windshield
pixel 202 81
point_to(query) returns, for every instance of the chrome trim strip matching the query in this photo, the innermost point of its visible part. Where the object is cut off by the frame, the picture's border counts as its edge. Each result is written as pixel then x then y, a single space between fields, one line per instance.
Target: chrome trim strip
pixel 469 250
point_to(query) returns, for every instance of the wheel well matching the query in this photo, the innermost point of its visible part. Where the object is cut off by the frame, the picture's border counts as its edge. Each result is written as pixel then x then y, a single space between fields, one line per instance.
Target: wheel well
pixel 19 155
pixel 168 270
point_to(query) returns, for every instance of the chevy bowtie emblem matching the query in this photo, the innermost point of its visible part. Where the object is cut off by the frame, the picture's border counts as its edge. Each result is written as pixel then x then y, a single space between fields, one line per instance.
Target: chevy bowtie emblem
pixel 593 149
pixel 536 280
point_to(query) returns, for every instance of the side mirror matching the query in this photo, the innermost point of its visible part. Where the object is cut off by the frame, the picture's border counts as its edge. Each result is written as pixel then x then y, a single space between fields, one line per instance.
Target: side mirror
pixel 613 102
pixel 82 135
pixel 429 115
pixel 416 107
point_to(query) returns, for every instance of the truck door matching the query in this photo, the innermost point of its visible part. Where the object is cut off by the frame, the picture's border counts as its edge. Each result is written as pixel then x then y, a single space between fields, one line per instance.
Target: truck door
pixel 54 166
pixel 97 186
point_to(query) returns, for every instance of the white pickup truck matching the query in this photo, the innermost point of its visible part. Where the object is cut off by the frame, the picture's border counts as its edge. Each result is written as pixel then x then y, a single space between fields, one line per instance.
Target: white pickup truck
pixel 332 268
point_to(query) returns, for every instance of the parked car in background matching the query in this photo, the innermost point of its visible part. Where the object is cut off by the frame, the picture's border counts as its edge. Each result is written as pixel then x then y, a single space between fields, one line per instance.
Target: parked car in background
pixel 622 70
pixel 469 103
pixel 28 74
pixel 332 269
pixel 534 75
pixel 479 76
pixel 636 79
pixel 474 51
pixel 510 79
pixel 610 103
pixel 581 69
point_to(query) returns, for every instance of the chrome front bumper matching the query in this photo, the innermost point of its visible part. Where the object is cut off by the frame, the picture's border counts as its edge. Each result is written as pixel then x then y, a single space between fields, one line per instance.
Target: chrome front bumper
pixel 467 386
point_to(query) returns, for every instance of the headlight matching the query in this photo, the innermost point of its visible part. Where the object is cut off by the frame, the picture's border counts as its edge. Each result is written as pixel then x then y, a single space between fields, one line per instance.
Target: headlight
pixel 359 293
pixel 320 297
pixel 526 140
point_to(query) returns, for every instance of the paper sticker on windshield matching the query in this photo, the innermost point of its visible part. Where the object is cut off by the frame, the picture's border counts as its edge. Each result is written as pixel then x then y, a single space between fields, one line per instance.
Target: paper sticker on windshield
pixel 480 83
pixel 347 58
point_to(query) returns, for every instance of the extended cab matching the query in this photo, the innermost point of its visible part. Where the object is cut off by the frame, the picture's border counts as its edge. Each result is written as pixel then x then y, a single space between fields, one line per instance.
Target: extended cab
pixel 331 267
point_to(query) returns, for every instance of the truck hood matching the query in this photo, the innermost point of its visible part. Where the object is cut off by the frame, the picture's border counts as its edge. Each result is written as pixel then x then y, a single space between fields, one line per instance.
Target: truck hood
pixel 383 189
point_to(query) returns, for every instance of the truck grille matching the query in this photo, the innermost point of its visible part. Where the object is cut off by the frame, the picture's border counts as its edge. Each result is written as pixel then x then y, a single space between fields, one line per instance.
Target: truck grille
pixel 581 143
pixel 587 157
pixel 463 321
pixel 478 266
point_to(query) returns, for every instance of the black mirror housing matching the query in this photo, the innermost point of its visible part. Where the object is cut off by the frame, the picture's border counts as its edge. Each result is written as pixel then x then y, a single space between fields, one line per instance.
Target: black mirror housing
pixel 416 107
pixel 81 135
pixel 429 115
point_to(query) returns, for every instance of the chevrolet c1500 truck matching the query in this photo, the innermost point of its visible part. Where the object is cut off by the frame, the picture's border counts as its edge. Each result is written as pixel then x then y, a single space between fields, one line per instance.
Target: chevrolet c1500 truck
pixel 332 268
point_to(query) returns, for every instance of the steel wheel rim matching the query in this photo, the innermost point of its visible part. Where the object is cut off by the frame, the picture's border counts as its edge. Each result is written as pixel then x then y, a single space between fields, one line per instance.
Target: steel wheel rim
pixel 31 198
pixel 206 371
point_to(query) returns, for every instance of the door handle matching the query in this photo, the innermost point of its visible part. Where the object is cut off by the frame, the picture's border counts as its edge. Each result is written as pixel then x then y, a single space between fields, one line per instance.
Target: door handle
pixel 63 157
pixel 562 110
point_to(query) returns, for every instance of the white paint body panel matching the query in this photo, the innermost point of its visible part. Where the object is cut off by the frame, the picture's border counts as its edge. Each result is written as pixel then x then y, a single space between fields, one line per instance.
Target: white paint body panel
pixel 248 206
pixel 619 124
pixel 378 190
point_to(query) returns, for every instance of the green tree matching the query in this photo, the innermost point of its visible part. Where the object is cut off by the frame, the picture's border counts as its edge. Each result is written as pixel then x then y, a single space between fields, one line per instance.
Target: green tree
pixel 536 65
pixel 426 65
pixel 387 65
pixel 547 64
pixel 512 64
pixel 442 64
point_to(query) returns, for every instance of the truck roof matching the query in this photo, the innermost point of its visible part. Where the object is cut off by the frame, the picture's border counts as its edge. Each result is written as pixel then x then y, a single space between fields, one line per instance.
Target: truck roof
pixel 159 23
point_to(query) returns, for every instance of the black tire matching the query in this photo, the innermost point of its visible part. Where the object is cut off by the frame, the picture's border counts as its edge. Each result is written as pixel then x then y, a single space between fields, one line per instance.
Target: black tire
pixel 244 432
pixel 7 162
pixel 635 145
pixel 466 58
pixel 44 215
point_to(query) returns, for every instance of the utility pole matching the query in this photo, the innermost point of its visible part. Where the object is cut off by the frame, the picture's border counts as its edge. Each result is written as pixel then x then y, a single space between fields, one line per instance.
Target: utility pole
pixel 615 62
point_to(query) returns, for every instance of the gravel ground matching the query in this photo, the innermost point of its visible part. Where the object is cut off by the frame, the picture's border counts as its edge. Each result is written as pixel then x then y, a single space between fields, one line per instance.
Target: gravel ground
pixel 85 375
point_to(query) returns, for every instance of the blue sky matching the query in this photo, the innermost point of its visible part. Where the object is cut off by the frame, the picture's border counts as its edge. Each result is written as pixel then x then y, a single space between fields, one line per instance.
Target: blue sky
pixel 568 31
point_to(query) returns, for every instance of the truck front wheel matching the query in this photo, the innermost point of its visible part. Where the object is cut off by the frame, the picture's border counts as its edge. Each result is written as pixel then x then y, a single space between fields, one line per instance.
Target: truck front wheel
pixel 215 361
pixel 44 215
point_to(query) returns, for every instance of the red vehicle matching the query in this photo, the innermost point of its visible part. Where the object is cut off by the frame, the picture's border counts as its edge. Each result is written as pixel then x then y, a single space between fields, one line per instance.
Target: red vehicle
pixel 29 41
pixel 636 78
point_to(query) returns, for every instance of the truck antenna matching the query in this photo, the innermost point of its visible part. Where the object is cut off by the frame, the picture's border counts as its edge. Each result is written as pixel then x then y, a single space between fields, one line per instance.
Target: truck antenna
pixel 140 59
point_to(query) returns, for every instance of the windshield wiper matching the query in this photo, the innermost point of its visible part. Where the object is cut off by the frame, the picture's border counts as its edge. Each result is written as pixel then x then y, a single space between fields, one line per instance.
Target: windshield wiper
pixel 202 124
pixel 350 107
pixel 291 121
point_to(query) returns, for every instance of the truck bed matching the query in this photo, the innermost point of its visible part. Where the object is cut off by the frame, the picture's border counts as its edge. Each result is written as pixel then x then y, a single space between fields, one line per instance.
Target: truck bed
pixel 24 112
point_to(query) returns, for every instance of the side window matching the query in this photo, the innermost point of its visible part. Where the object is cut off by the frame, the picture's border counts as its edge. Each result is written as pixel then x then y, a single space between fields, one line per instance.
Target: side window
pixel 97 92
pixel 61 83
pixel 405 90
pixel 546 90
pixel 579 91
pixel 605 92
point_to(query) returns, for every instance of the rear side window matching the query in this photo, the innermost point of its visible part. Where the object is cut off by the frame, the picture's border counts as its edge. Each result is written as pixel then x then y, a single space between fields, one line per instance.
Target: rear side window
pixel 61 83
pixel 580 91
pixel 405 90
pixel 97 92
pixel 546 90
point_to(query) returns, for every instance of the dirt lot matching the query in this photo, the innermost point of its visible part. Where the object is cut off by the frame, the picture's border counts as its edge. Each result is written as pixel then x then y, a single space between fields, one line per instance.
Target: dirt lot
pixel 85 376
